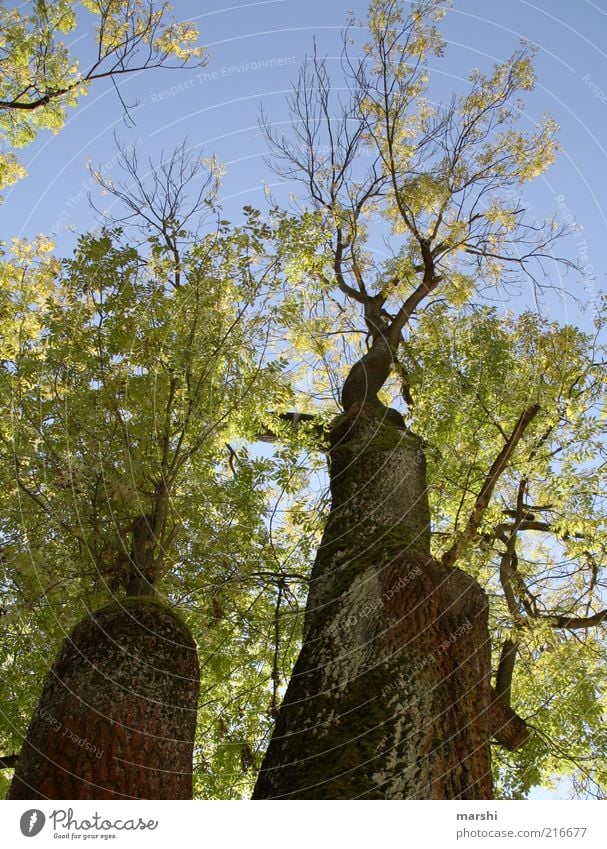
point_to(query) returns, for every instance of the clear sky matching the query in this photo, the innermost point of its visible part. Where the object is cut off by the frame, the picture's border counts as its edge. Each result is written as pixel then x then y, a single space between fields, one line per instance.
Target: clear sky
pixel 255 50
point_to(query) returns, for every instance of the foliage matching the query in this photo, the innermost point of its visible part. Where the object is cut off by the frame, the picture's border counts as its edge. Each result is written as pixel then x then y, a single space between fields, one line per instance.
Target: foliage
pixel 41 79
pixel 132 376
pixel 474 370
pixel 138 373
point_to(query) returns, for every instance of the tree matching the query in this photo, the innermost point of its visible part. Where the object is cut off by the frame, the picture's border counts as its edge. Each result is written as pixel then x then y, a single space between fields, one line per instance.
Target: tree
pixel 79 525
pixel 457 594
pixel 427 587
pixel 146 362
pixel 40 79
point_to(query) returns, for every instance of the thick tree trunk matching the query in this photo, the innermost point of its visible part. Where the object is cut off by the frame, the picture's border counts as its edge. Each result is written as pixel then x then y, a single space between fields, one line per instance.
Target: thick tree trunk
pixel 117 714
pixel 390 697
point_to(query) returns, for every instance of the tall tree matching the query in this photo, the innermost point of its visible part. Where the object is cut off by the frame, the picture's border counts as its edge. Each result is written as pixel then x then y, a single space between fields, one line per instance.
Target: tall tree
pixel 480 513
pixel 393 694
pixel 147 361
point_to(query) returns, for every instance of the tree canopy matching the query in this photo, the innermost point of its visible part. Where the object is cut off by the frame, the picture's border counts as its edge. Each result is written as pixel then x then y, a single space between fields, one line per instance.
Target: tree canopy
pixel 139 373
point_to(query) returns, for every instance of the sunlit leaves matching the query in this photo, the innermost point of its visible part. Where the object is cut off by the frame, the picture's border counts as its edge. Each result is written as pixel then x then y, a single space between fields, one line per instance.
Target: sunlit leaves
pixel 41 79
pixel 123 386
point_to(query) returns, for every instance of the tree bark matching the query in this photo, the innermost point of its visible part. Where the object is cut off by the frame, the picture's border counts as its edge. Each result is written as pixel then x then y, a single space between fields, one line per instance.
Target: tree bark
pixel 117 715
pixel 390 697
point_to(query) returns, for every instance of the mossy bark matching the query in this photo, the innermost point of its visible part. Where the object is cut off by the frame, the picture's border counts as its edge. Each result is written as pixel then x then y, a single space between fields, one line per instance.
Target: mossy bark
pixel 390 697
pixel 117 715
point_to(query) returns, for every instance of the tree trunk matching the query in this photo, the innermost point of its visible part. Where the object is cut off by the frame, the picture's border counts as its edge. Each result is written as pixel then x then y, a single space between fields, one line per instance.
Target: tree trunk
pixel 390 697
pixel 117 715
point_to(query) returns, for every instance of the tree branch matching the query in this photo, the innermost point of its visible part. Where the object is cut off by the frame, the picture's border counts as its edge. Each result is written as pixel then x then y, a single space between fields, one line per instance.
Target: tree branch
pixel 504 529
pixel 491 479
pixel 505 670
pixel 507 726
pixel 574 623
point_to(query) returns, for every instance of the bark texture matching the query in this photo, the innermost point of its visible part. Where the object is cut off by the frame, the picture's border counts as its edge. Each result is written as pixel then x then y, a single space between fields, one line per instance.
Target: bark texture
pixel 390 697
pixel 117 715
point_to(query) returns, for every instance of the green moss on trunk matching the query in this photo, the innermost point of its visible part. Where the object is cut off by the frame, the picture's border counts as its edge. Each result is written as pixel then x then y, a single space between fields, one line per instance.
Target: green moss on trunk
pixel 390 695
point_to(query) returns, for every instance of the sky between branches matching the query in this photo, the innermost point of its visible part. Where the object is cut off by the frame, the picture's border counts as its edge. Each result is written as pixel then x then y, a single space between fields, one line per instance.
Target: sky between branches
pixel 255 51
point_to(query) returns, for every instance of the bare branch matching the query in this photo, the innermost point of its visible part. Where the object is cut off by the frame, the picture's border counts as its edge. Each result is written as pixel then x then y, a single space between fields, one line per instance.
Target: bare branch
pixel 505 670
pixel 491 479
pixel 575 623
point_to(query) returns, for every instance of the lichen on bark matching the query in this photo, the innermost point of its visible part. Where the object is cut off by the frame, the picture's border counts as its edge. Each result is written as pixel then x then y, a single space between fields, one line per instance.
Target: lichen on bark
pixel 390 697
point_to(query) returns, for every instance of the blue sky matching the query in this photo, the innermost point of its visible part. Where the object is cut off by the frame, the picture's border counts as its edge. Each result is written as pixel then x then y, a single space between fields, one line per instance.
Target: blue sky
pixel 255 51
